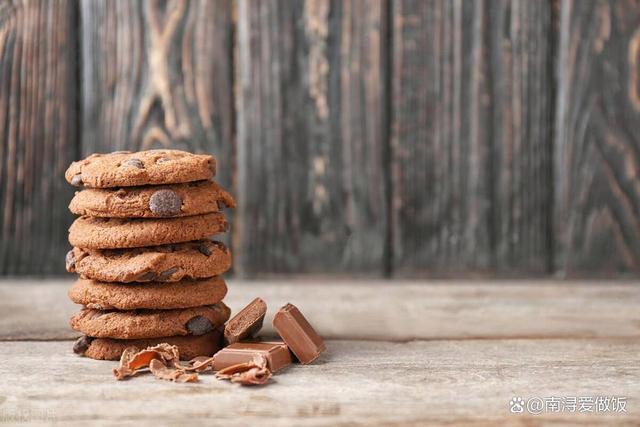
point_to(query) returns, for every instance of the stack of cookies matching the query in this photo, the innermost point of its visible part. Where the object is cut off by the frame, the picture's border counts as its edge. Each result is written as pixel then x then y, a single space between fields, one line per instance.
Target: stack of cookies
pixel 149 273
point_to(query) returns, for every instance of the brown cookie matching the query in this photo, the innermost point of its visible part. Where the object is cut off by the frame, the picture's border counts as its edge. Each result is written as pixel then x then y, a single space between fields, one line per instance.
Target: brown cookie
pixel 126 169
pixel 111 349
pixel 167 263
pixel 183 294
pixel 114 233
pixel 162 201
pixel 150 323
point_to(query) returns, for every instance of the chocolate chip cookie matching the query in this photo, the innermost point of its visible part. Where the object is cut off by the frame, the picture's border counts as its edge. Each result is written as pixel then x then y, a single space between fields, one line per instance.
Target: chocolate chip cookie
pixel 166 263
pixel 115 233
pixel 161 201
pixel 152 295
pixel 126 169
pixel 150 323
pixel 111 349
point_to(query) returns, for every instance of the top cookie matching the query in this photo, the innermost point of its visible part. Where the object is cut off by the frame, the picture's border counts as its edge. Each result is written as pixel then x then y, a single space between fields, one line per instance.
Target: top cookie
pixel 126 169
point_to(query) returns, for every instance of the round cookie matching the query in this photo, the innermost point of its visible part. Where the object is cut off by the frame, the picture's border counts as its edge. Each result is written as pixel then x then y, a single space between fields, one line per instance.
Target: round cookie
pixel 183 294
pixel 114 233
pixel 162 201
pixel 126 169
pixel 150 323
pixel 111 349
pixel 166 263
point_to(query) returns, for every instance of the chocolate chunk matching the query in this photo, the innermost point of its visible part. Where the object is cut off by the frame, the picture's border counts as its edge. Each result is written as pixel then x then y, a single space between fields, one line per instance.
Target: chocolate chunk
pixel 167 273
pixel 199 325
pixel 82 344
pixel 246 323
pixel 77 180
pixel 204 249
pixel 298 334
pixel 135 163
pixel 221 205
pixel 70 261
pixel 165 203
pixel 147 276
pixel 276 354
pixel 163 160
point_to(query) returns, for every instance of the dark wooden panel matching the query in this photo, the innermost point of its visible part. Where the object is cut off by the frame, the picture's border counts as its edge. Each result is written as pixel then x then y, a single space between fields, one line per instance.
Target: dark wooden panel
pixel 158 74
pixel 471 137
pixel 311 137
pixel 598 138
pixel 38 76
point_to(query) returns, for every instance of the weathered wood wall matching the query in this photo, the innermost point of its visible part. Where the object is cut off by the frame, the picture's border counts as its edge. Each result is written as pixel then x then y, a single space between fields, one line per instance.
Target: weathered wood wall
pixel 370 137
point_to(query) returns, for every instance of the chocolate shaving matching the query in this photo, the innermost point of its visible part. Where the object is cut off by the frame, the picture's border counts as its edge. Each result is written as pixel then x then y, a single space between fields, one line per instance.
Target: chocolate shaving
pixel 248 373
pixel 134 360
pixel 200 364
pixel 163 372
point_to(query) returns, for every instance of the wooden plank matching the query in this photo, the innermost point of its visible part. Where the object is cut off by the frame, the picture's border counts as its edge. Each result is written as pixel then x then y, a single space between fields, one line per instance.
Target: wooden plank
pixel 311 137
pixel 38 75
pixel 597 146
pixel 158 74
pixel 471 151
pixel 354 383
pixel 381 310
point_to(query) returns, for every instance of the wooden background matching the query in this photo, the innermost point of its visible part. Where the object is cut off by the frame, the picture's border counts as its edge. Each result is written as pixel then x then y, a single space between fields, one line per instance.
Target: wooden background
pixel 394 138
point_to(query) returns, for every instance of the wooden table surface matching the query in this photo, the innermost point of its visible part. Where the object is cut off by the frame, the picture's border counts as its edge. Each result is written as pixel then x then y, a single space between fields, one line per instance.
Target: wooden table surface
pixel 399 353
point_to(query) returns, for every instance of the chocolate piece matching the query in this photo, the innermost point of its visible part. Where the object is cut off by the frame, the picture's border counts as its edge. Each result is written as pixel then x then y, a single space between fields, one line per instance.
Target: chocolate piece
pixel 165 203
pixel 146 277
pixel 298 334
pixel 204 250
pixel 246 323
pixel 167 273
pixel 70 261
pixel 276 354
pixel 136 163
pixel 199 325
pixel 76 181
pixel 82 344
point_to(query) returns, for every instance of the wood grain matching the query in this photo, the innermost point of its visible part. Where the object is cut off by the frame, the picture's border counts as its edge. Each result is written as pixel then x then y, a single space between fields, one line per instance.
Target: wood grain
pixel 311 137
pixel 453 383
pixel 158 74
pixel 379 310
pixel 38 75
pixel 597 146
pixel 471 148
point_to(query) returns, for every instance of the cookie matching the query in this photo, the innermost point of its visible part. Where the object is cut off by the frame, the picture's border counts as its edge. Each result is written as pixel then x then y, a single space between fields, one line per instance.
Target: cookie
pixel 150 323
pixel 183 294
pixel 111 349
pixel 126 169
pixel 167 263
pixel 113 233
pixel 162 201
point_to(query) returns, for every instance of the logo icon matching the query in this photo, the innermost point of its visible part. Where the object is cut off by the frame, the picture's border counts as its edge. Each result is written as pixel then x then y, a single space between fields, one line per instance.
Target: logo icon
pixel 516 405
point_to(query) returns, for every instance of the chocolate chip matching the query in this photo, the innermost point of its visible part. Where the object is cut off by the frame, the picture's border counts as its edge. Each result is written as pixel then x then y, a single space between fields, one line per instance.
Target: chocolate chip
pixel 163 160
pixel 82 344
pixel 204 249
pixel 165 203
pixel 145 277
pixel 199 325
pixel 167 273
pixel 70 261
pixel 136 163
pixel 77 180
pixel 221 205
